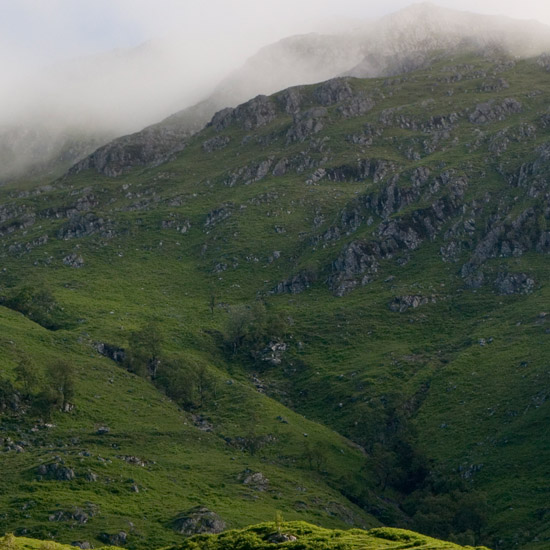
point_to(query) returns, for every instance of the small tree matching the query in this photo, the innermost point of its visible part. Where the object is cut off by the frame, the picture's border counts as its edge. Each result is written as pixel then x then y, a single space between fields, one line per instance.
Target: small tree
pixel 61 380
pixel 279 521
pixel 26 375
pixel 144 355
pixel 205 384
pixel 178 380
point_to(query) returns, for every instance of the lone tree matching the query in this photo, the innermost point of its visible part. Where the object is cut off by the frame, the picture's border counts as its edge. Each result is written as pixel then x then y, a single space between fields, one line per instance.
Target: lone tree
pixel 144 355
pixel 26 375
pixel 61 380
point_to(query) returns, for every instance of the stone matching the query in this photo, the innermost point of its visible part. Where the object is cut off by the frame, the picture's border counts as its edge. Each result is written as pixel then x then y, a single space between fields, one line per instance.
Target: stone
pixel 74 260
pixel 115 539
pixel 198 520
pixel 279 538
pixel 400 304
pixel 56 471
pixel 255 480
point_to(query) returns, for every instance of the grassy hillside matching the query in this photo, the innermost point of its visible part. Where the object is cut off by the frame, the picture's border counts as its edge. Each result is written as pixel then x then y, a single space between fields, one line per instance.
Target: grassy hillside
pixel 341 288
pixel 271 535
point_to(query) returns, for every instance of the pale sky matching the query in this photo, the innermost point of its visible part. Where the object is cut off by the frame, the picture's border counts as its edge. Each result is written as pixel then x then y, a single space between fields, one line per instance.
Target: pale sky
pixel 39 32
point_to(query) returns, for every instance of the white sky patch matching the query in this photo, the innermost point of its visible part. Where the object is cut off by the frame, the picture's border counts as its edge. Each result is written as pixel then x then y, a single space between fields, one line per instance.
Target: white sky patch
pixel 39 32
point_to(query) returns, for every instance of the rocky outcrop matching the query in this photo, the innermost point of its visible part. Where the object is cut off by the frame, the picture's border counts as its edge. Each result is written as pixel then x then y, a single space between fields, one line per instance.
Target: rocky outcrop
pixel 84 225
pixel 77 515
pixel 56 471
pixel 400 304
pixel 150 147
pixel 112 352
pixel 494 85
pixel 295 284
pixel 514 283
pixel 251 115
pixel 358 263
pixel 491 111
pixel 251 173
pixel 333 91
pixel 255 480
pixel 306 124
pixel 291 100
pixel 198 520
pixel 74 260
pixel 218 215
pixel 357 258
pixel 349 172
pixel 358 105
pixel 503 238
pixel 272 353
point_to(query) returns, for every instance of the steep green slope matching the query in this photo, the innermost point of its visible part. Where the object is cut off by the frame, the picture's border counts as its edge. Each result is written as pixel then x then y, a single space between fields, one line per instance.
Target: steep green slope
pixel 371 254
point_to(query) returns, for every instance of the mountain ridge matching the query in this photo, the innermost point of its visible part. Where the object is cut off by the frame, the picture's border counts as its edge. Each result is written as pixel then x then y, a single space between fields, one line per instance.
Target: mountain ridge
pixel 368 253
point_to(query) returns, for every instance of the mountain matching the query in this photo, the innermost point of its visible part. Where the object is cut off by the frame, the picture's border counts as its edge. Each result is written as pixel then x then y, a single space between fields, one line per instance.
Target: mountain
pixel 330 302
pixel 156 79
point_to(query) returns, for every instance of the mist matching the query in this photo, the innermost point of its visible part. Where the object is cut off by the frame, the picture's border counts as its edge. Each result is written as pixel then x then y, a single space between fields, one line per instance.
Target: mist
pixel 92 71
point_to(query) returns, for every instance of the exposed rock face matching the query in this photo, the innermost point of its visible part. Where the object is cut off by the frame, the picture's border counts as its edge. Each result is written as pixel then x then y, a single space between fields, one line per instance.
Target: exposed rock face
pixel 250 173
pixel 358 105
pixel 291 100
pixel 306 124
pixel 217 215
pixel 83 225
pixel 151 146
pixel 333 91
pixel 250 115
pixel 491 111
pixel 198 520
pixel 514 283
pixel 347 172
pixel 357 258
pixel 504 238
pixel 359 261
pixel 295 284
